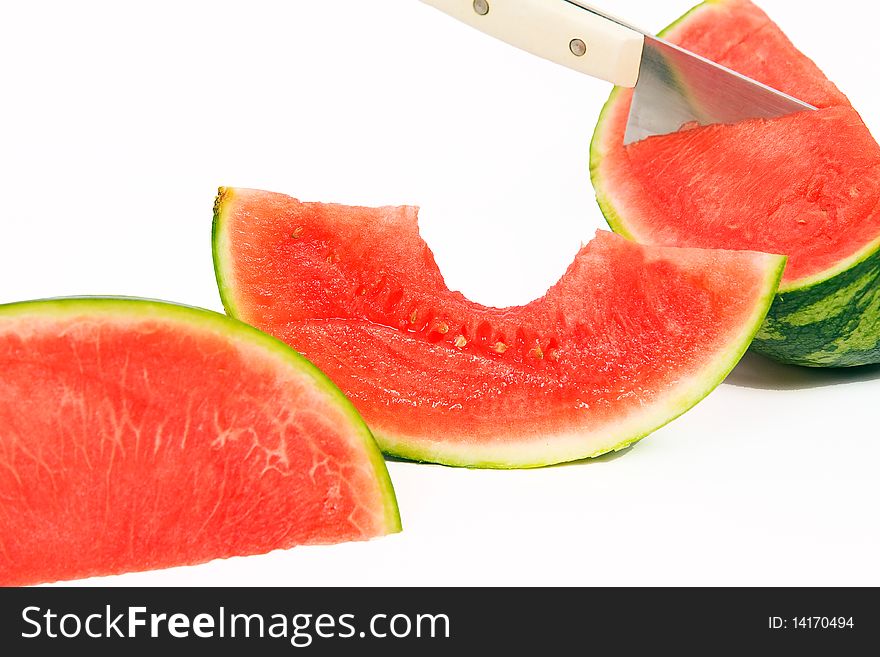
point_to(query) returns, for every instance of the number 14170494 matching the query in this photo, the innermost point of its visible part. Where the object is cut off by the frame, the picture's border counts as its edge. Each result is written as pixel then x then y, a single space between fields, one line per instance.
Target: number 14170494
pixel 811 623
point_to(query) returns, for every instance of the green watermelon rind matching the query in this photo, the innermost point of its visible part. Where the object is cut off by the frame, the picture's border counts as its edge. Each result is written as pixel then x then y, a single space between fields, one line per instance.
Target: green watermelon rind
pixel 812 322
pixel 543 455
pixel 833 323
pixel 135 306
pixel 218 247
pixel 530 453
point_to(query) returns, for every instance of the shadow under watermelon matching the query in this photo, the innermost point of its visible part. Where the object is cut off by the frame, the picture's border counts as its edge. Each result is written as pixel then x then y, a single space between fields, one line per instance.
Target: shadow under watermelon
pixel 756 371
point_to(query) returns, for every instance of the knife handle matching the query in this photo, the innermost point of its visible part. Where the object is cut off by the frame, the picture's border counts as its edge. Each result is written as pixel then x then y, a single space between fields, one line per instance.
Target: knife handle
pixel 558 30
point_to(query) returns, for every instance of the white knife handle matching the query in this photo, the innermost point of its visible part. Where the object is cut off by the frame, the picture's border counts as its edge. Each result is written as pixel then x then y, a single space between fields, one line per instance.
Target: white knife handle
pixel 551 29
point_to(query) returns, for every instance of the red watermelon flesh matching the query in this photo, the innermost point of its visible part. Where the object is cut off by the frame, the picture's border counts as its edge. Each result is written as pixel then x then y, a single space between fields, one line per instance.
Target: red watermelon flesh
pixel 629 338
pixel 806 185
pixel 137 435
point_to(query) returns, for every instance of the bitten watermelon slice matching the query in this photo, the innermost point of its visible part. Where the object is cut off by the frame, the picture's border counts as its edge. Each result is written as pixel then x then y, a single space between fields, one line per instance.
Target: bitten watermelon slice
pixel 630 337
pixel 806 185
pixel 137 435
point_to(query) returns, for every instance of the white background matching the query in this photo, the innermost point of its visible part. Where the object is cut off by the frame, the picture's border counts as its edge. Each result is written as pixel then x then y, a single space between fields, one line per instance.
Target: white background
pixel 118 120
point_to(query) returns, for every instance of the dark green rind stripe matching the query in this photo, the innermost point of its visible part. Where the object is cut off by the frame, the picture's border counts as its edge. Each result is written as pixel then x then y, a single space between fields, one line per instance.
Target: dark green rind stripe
pixel 835 323
pixel 830 323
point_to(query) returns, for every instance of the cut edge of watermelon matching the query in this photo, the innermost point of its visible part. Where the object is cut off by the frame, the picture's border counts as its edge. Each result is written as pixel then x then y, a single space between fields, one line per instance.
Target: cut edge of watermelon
pixel 137 306
pixel 616 223
pixel 570 446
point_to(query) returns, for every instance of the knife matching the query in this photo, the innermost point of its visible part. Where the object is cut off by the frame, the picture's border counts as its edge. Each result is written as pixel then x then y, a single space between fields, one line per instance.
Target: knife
pixel 673 86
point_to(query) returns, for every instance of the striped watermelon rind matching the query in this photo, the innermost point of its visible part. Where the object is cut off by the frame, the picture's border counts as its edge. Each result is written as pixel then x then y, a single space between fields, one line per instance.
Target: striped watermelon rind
pixel 834 322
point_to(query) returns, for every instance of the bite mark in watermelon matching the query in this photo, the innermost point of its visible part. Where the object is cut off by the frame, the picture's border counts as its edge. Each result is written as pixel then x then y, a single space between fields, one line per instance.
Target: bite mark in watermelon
pixel 806 185
pixel 137 435
pixel 630 337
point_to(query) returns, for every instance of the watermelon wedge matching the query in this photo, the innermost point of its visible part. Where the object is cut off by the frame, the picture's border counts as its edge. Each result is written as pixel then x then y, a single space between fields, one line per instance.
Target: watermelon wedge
pixel 137 435
pixel 807 185
pixel 630 337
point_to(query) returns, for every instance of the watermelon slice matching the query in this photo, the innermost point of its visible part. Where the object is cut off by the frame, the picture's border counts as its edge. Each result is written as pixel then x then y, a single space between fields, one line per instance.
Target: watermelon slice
pixel 807 185
pixel 137 435
pixel 630 337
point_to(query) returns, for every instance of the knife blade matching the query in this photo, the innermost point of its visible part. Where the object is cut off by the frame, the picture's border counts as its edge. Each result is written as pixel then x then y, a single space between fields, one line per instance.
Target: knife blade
pixel 673 87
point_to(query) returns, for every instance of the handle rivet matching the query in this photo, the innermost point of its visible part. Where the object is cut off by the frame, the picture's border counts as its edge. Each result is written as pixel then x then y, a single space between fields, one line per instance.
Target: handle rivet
pixel 578 48
pixel 481 7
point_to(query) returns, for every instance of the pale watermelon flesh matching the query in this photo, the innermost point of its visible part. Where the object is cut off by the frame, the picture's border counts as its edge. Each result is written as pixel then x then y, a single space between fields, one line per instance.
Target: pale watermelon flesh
pixel 807 185
pixel 629 338
pixel 137 435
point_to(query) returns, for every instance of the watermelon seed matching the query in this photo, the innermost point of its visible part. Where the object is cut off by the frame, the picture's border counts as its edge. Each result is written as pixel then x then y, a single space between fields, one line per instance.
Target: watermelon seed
pixel 460 341
pixel 499 348
pixel 297 233
pixel 414 316
pixel 536 352
pixel 442 328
